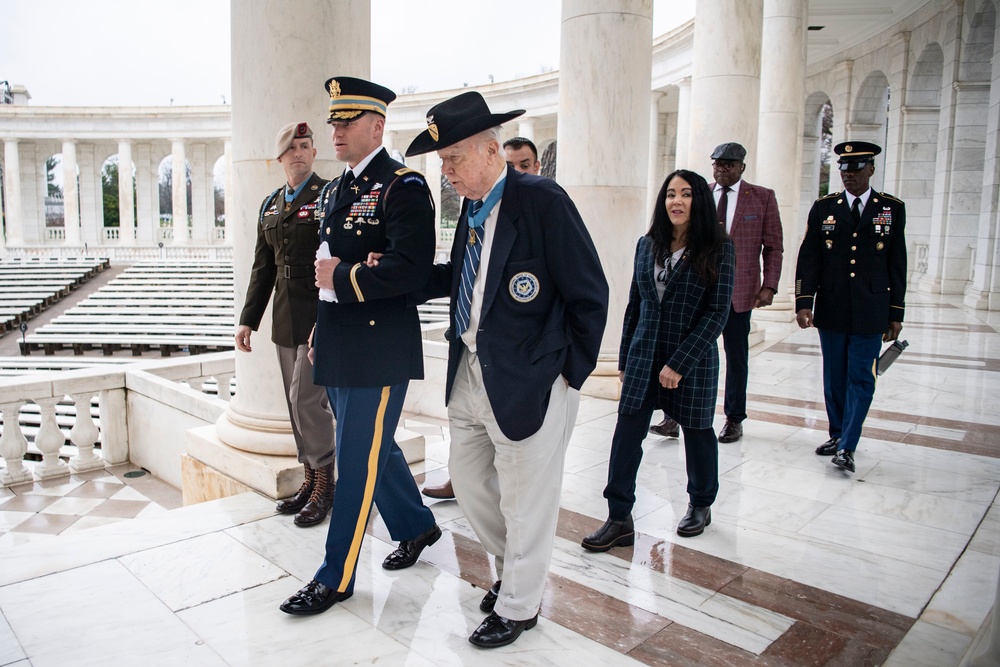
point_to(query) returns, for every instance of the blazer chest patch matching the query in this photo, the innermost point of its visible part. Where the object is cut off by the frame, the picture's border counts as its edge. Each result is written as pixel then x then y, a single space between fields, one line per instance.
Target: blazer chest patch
pixel 523 287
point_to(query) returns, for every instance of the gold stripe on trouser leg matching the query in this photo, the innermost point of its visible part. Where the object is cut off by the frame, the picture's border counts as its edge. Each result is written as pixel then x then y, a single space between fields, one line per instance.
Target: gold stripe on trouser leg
pixel 366 504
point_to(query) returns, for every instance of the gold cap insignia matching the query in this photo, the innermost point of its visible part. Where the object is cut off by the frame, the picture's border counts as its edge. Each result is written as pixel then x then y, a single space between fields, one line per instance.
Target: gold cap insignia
pixel 334 89
pixel 848 148
pixel 432 128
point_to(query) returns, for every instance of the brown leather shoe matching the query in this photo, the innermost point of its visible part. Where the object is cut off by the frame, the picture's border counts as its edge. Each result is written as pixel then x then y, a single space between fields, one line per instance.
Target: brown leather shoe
pixel 294 503
pixel 668 428
pixel 731 432
pixel 443 492
pixel 321 500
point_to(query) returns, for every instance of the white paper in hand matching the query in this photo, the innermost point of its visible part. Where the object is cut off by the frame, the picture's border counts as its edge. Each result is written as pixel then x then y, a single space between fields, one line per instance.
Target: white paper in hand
pixel 323 252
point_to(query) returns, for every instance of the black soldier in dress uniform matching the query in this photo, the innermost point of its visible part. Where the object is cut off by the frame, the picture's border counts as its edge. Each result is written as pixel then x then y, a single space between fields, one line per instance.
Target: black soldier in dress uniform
pixel 850 283
pixel 367 344
pixel 287 239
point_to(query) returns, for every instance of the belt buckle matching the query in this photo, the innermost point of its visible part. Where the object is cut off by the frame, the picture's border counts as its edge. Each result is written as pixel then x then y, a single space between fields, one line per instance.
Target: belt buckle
pixel 288 272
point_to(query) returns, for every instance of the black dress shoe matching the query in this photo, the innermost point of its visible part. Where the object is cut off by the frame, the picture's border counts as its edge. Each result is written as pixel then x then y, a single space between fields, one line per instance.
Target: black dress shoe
pixel 499 631
pixel 828 448
pixel 694 521
pixel 731 432
pixel 490 599
pixel 408 551
pixel 314 598
pixel 668 428
pixel 611 534
pixel 844 460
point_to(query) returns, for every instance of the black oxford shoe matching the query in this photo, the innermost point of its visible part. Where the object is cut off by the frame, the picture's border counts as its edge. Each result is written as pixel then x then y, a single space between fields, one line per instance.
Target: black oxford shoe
pixel 499 631
pixel 611 534
pixel 844 460
pixel 694 521
pixel 731 432
pixel 313 598
pixel 408 551
pixel 667 428
pixel 828 448
pixel 490 599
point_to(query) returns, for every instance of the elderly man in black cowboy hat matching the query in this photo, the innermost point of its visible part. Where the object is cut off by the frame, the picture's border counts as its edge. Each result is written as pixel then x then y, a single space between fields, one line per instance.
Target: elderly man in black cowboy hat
pixel 367 346
pixel 852 271
pixel 528 308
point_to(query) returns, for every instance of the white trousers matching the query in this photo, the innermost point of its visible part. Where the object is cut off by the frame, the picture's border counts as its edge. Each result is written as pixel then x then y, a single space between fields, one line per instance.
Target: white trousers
pixel 509 490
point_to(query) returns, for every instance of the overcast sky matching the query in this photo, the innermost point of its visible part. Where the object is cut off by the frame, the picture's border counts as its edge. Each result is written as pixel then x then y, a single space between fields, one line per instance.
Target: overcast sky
pixel 125 52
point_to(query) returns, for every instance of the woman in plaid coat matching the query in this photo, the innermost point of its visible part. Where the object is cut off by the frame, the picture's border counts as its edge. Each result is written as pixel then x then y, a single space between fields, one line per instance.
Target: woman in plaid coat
pixel 682 286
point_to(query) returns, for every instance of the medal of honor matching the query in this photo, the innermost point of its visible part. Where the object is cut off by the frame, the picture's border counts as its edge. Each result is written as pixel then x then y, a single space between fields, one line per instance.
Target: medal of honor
pixel 472 236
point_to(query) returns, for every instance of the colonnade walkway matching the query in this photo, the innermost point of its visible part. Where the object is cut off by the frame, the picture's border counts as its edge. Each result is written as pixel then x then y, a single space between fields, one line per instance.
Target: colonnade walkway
pixel 802 565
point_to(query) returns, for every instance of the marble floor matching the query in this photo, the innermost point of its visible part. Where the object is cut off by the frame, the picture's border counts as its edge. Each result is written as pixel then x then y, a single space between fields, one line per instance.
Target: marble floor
pixel 802 565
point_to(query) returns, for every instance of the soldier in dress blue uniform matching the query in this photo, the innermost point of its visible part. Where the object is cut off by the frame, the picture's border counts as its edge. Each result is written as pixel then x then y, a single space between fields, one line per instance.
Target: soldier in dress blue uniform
pixel 851 271
pixel 287 238
pixel 367 344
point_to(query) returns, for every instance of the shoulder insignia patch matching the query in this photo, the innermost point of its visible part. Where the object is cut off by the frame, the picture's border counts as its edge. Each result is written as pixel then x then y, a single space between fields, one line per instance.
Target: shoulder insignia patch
pixel 405 170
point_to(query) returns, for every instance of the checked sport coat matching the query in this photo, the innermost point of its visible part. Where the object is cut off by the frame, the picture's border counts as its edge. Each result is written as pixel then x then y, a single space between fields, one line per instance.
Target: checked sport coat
pixel 680 332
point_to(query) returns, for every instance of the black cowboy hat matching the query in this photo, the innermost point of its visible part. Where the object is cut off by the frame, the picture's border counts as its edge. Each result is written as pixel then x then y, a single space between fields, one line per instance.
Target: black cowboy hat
pixel 456 119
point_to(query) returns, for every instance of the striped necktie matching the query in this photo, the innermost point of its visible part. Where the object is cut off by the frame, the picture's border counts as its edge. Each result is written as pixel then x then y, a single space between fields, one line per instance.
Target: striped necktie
pixel 470 265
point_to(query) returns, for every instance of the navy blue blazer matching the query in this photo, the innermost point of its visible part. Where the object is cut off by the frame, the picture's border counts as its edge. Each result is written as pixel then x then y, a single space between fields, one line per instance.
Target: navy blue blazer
pixel 371 336
pixel 545 303
pixel 680 332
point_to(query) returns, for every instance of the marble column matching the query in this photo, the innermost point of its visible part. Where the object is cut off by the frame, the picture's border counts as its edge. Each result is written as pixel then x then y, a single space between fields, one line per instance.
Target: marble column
pixel 199 225
pixel 91 196
pixel 71 194
pixel 727 39
pixel 432 172
pixel 228 194
pixel 34 187
pixel 782 91
pixel 958 182
pixel 655 159
pixel 683 122
pixel 126 198
pixel 983 292
pixel 256 419
pixel 147 206
pixel 526 129
pixel 178 175
pixel 389 141
pixel 604 145
pixel 12 193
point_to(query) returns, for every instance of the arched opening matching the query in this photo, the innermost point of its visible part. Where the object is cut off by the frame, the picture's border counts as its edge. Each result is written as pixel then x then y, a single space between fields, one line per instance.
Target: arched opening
pixel 817 148
pixel 870 121
pixel 112 197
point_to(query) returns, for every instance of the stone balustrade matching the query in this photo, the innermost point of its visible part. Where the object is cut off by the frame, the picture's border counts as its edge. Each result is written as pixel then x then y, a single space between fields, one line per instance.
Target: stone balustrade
pixel 144 409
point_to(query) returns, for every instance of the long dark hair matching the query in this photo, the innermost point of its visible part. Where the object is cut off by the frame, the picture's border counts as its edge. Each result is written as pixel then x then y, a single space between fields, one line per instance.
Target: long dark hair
pixel 705 235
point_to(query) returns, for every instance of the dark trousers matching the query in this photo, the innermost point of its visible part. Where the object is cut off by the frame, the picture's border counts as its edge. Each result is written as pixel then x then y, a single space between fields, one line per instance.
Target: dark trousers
pixel 736 341
pixel 848 382
pixel 371 468
pixel 701 449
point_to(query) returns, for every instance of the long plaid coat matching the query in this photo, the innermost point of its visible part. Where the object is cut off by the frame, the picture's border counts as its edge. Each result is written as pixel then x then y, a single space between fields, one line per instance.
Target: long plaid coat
pixel 680 332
